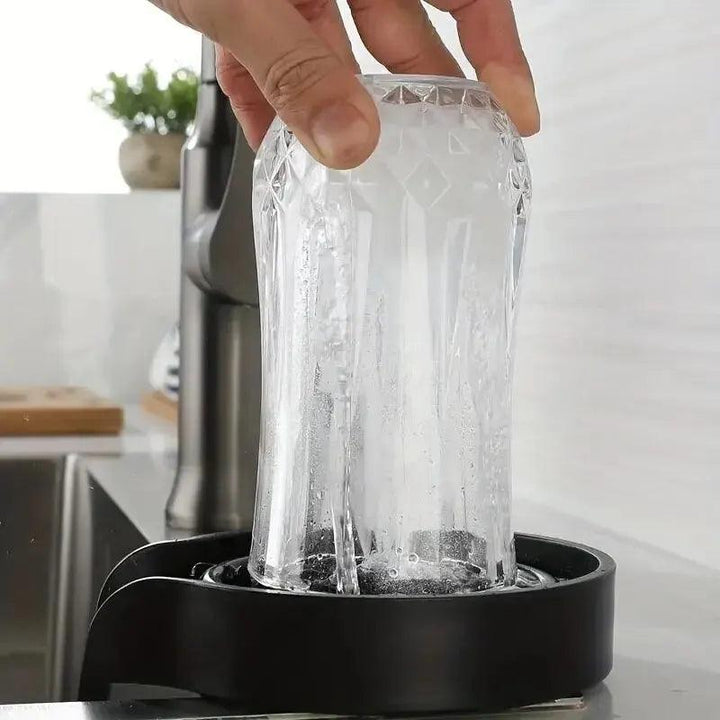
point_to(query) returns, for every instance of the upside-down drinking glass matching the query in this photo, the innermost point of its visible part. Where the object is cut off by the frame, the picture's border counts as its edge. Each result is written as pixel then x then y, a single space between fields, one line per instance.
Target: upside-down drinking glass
pixel 388 298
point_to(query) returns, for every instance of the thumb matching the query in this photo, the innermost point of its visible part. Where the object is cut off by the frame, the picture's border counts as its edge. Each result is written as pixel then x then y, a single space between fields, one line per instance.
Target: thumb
pixel 309 87
pixel 324 104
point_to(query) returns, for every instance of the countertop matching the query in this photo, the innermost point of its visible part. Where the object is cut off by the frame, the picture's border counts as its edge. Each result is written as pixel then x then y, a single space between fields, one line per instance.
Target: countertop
pixel 667 627
pixel 143 433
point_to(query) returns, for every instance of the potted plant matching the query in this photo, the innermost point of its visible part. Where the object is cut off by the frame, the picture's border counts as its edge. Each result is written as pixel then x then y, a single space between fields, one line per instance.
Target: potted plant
pixel 158 120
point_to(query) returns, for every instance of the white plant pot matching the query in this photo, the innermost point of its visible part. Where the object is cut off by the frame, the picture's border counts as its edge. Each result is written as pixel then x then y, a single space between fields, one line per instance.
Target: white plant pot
pixel 151 160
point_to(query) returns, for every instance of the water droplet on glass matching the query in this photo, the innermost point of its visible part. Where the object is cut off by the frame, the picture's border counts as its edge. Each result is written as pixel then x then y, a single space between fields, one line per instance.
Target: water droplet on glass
pixel 392 572
pixel 399 551
pixel 412 557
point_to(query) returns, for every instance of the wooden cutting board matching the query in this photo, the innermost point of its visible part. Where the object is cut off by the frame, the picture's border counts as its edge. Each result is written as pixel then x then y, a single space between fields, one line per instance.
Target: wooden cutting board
pixel 57 411
pixel 161 406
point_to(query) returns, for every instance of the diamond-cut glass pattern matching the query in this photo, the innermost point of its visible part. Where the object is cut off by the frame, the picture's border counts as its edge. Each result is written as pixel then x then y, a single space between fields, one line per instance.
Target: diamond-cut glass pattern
pixel 387 299
pixel 426 183
pixel 402 95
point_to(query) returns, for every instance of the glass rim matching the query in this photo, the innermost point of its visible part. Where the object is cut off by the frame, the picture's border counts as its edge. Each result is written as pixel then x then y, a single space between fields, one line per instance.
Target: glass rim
pixel 446 80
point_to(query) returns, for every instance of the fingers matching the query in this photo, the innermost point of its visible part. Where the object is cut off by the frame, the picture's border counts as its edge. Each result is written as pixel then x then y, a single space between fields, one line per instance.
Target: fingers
pixel 299 75
pixel 318 96
pixel 399 34
pixel 249 104
pixel 488 35
pixel 294 57
pixel 252 110
pixel 325 19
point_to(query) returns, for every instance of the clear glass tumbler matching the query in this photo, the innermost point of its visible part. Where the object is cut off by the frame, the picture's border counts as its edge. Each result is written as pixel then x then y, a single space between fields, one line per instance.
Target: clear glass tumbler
pixel 387 298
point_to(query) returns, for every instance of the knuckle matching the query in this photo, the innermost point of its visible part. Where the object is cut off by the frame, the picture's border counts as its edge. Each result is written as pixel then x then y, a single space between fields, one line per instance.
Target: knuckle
pixel 311 9
pixel 232 77
pixel 453 6
pixel 406 63
pixel 357 6
pixel 175 8
pixel 244 105
pixel 297 72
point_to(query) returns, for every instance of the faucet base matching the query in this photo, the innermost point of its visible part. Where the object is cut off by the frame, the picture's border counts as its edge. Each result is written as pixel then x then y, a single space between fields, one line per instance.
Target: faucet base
pixel 219 414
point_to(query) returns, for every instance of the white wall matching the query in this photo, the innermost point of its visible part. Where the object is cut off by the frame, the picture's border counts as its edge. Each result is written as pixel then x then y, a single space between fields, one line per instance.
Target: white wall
pixel 618 380
pixel 52 139
pixel 88 286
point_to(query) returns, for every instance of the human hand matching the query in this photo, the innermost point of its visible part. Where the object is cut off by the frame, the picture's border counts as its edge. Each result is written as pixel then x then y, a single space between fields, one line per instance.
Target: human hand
pixel 293 58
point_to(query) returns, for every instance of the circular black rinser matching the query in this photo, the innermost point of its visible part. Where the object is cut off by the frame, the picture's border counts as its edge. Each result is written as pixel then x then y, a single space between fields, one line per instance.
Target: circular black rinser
pixel 272 651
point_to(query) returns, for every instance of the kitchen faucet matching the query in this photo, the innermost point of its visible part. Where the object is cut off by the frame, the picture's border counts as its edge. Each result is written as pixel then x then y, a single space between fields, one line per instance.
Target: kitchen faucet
pixel 219 410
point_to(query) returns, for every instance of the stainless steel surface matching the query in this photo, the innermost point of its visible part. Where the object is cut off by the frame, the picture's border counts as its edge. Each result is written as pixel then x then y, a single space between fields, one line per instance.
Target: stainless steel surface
pixel 60 535
pixel 531 577
pixel 219 325
pixel 207 61
pixel 205 710
pixel 119 710
pixel 139 484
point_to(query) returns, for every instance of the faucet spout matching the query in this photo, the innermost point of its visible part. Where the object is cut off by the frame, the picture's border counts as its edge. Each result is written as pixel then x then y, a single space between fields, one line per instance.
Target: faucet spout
pixel 219 413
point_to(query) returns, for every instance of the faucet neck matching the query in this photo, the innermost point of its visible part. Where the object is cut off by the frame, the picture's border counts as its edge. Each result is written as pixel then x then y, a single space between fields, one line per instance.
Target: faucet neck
pixel 207 62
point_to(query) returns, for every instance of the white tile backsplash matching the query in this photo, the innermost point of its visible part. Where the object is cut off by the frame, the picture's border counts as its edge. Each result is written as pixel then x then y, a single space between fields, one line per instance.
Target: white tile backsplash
pixel 88 286
pixel 618 372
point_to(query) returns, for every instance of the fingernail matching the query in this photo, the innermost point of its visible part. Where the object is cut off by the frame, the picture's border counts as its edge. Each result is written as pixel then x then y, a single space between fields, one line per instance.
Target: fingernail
pixel 528 113
pixel 342 136
pixel 516 92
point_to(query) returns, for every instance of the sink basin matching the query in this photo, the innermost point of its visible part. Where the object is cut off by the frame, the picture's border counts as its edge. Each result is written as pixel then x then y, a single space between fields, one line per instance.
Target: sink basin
pixel 60 535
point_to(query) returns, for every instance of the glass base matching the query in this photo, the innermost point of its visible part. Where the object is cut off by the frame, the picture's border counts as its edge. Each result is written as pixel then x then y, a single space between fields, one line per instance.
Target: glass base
pixel 406 576
pixel 433 563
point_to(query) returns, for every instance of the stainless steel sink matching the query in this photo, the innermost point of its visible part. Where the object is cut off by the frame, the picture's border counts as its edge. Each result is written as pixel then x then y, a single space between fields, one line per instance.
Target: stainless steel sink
pixel 60 535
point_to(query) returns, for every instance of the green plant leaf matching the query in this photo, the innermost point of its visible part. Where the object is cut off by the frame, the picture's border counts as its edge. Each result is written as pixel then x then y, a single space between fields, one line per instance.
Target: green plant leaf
pixel 143 105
